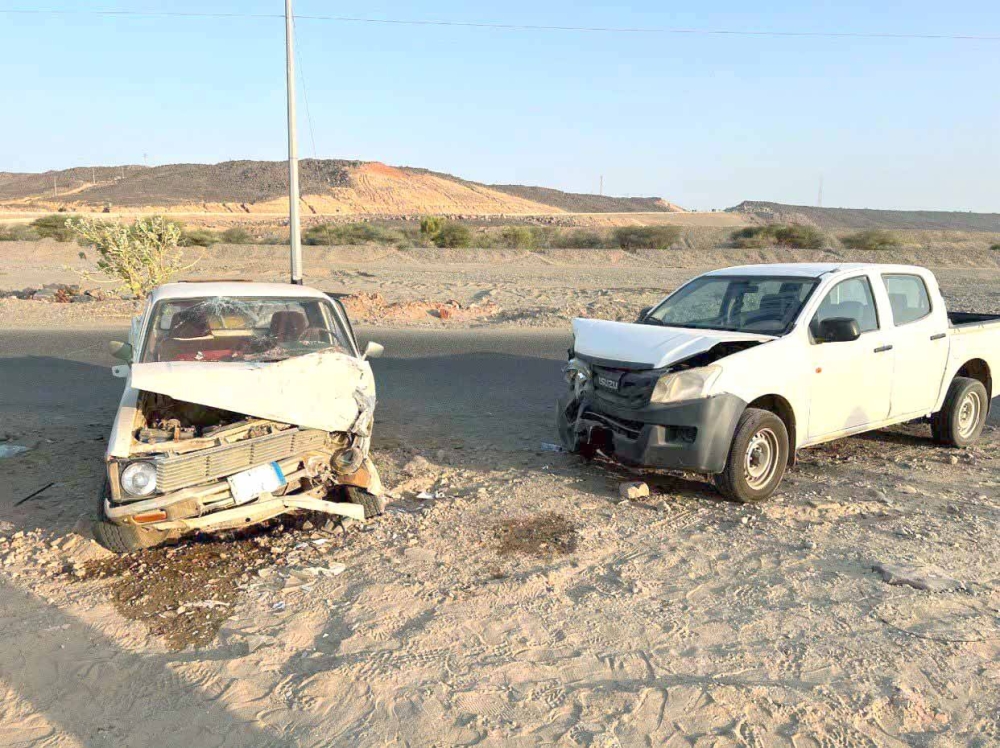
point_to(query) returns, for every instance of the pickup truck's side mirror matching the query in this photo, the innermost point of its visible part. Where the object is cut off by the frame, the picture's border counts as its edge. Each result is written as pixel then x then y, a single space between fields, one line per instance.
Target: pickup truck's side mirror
pixel 373 350
pixel 644 313
pixel 838 330
pixel 121 351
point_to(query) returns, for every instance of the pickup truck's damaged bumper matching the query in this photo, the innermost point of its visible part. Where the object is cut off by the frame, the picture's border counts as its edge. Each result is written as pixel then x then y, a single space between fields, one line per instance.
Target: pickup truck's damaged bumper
pixel 693 435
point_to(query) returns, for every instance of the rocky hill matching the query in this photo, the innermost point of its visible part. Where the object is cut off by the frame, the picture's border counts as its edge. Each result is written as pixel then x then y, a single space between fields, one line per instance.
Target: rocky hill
pixel 328 187
pixel 834 219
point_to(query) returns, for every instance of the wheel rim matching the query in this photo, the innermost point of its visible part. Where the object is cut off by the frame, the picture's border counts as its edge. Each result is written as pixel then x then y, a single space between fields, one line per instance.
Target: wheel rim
pixel 761 461
pixel 969 413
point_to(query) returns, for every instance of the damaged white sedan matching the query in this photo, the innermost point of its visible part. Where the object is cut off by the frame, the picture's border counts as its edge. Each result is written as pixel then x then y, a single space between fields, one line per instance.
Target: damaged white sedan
pixel 243 401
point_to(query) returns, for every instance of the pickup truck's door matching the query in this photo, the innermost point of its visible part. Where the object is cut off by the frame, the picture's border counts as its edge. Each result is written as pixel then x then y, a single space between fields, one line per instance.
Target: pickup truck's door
pixel 920 345
pixel 850 382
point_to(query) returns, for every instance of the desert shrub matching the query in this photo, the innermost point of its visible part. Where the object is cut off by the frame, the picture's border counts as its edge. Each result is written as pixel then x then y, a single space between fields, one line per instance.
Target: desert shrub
pixel 453 236
pixel 646 237
pixel 53 227
pixel 273 239
pixel 794 236
pixel 579 239
pixel 236 235
pixel 350 234
pixel 871 239
pixel 431 226
pixel 995 246
pixel 140 256
pixel 18 232
pixel 516 237
pixel 198 238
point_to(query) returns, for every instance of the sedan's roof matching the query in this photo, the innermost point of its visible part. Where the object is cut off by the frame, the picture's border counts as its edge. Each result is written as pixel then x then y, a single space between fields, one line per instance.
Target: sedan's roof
pixel 214 289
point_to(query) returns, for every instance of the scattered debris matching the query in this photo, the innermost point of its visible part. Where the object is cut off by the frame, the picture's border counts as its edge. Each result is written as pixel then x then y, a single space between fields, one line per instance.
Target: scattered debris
pixel 373 308
pixel 431 495
pixel 11 450
pixel 33 494
pixel 548 447
pixel 633 490
pixel 417 466
pixel 927 578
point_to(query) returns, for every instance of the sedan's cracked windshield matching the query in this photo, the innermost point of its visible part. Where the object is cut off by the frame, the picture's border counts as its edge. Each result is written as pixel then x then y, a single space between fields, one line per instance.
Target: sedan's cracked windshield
pixel 242 329
pixel 763 305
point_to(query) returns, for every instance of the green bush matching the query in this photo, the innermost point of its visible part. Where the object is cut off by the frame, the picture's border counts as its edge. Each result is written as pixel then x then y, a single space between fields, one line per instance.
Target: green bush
pixel 54 227
pixel 431 226
pixel 18 232
pixel 351 234
pixel 794 236
pixel 198 238
pixel 518 237
pixel 995 246
pixel 579 239
pixel 646 237
pixel 236 235
pixel 453 236
pixel 871 239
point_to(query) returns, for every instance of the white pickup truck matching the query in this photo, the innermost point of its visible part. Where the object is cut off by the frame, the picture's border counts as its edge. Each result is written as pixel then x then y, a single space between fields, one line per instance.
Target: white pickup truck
pixel 736 370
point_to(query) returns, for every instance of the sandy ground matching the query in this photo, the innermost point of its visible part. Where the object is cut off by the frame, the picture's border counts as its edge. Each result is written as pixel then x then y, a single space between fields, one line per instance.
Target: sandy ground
pixel 525 603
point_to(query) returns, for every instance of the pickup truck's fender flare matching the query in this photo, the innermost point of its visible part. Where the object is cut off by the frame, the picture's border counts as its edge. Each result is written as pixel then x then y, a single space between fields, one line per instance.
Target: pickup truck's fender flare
pixel 784 410
pixel 974 368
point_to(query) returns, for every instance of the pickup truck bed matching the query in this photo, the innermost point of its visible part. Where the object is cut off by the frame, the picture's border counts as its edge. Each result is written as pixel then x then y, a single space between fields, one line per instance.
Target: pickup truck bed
pixel 962 319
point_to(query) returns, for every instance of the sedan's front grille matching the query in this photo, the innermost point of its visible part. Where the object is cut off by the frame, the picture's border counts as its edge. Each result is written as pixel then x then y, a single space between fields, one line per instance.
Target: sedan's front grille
pixel 174 473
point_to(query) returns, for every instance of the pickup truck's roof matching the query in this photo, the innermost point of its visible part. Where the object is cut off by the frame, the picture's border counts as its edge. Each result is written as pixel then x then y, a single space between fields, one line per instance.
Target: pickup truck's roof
pixel 807 269
pixel 234 288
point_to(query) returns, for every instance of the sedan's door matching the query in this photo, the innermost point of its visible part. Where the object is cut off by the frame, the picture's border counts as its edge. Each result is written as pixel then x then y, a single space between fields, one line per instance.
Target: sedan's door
pixel 920 343
pixel 850 382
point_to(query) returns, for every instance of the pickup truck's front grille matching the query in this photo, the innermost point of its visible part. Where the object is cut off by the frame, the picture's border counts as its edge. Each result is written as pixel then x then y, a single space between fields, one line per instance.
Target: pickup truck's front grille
pixel 634 387
pixel 174 473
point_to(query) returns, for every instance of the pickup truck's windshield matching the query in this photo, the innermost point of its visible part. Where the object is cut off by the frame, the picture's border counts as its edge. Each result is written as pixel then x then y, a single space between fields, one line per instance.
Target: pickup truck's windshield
pixel 757 304
pixel 242 329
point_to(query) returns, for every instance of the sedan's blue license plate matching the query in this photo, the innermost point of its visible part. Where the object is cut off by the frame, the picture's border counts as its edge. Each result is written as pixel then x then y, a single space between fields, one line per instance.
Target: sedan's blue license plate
pixel 250 484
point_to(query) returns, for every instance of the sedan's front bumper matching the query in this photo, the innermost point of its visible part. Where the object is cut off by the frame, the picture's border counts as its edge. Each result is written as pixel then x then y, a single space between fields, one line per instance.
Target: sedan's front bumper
pixel 694 435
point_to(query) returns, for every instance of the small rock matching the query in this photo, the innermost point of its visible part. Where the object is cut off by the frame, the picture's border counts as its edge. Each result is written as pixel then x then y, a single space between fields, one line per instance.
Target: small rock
pixel 417 466
pixel 953 460
pixel 928 578
pixel 633 491
pixel 907 489
pixel 307 525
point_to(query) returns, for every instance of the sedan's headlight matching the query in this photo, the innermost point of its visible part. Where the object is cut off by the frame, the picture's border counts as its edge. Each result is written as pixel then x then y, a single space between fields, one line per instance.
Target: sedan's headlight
pixel 139 478
pixel 685 385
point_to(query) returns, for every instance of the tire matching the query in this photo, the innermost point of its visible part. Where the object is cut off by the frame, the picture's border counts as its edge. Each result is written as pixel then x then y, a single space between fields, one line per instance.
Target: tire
pixel 758 458
pixel 961 420
pixel 374 506
pixel 123 538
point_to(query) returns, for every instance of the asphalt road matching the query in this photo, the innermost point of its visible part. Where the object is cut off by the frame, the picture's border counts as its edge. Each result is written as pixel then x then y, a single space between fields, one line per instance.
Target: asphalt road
pixel 436 388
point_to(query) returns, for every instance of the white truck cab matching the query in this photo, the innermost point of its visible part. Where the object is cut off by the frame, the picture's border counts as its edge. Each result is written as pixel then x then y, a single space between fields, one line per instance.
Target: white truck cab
pixel 737 369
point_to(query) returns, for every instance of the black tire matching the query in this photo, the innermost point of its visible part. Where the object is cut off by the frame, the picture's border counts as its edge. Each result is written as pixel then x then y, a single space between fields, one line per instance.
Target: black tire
pixel 961 420
pixel 374 506
pixel 764 434
pixel 124 538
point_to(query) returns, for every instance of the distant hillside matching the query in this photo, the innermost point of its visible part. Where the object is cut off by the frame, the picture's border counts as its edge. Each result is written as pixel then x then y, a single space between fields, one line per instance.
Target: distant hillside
pixel 574 202
pixel 834 219
pixel 328 187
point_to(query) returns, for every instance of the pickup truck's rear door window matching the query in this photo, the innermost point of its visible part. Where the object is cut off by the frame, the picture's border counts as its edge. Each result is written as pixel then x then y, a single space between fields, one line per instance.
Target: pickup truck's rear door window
pixel 849 299
pixel 908 298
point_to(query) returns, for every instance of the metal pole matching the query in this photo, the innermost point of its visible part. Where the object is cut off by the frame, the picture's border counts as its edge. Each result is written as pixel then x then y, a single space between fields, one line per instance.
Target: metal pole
pixel 295 230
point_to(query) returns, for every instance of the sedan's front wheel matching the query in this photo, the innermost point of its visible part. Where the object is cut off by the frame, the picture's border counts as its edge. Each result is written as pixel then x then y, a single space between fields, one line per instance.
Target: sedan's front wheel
pixel 757 459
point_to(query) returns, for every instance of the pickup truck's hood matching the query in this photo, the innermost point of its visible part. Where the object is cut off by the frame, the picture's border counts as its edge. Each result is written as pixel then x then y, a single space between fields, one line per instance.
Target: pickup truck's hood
pixel 648 345
pixel 326 390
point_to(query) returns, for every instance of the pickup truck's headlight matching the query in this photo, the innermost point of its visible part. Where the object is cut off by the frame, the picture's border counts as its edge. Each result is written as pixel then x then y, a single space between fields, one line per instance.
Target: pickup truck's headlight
pixel 139 478
pixel 685 385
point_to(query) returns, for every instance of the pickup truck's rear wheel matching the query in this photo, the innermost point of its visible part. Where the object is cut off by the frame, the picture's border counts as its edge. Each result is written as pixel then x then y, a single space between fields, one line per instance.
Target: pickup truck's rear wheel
pixel 961 420
pixel 757 459
pixel 124 538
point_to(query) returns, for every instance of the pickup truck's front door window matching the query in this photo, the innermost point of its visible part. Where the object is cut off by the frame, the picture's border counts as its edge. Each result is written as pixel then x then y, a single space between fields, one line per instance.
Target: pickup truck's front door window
pixel 242 329
pixel 850 382
pixel 920 346
pixel 763 305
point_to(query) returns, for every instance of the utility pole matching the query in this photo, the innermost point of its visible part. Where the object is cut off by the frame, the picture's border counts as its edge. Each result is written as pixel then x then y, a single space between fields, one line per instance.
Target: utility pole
pixel 294 228
pixel 55 186
pixel 602 186
pixel 820 201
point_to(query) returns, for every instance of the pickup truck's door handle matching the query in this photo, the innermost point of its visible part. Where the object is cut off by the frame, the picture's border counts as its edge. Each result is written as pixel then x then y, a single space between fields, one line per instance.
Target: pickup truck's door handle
pixel 883 349
pixel 939 336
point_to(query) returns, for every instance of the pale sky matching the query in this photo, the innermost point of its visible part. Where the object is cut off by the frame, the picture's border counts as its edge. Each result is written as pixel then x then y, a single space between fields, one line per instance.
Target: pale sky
pixel 703 121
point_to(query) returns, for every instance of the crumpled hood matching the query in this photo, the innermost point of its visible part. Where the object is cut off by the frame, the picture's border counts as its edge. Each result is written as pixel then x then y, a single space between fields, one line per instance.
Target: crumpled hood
pixel 326 390
pixel 648 345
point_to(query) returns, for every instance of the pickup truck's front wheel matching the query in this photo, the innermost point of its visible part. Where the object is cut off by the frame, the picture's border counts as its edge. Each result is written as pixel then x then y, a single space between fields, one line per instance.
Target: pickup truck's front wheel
pixel 961 420
pixel 757 459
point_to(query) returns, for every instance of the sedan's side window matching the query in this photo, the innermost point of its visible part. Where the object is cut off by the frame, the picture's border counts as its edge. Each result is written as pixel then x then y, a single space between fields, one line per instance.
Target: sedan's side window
pixel 849 299
pixel 908 298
